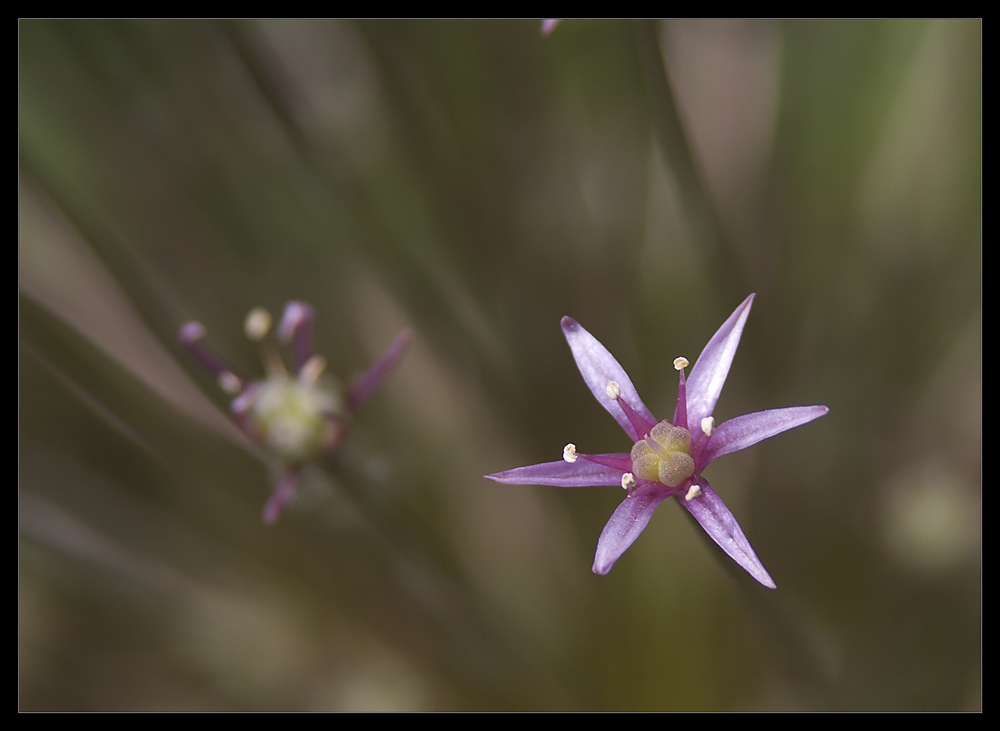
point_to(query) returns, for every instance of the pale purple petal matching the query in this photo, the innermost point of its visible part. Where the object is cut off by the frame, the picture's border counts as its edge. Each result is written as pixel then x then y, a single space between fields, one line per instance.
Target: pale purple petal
pixel 581 473
pixel 627 522
pixel 745 431
pixel 366 384
pixel 598 367
pixel 295 326
pixel 709 373
pixel 713 515
pixel 282 494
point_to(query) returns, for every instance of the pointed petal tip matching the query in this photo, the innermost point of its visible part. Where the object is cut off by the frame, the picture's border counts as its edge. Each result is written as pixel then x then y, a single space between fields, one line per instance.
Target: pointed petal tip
pixel 549 25
pixel 274 507
pixel 810 413
pixel 626 524
pixel 600 570
pixel 750 429
pixel 190 332
pixel 568 323
pixel 366 384
pixel 742 311
pixel 720 525
pixel 510 477
pixel 759 574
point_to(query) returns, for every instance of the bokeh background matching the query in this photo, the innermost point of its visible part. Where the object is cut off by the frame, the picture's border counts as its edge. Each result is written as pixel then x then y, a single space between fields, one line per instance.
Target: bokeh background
pixel 475 182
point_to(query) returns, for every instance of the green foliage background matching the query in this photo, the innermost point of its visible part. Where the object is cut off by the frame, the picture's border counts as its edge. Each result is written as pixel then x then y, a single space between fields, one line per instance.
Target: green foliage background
pixel 475 182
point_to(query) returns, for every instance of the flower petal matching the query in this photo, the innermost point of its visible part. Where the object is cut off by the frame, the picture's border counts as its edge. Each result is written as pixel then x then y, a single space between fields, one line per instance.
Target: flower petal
pixel 282 494
pixel 713 515
pixel 598 367
pixel 368 381
pixel 295 326
pixel 745 431
pixel 627 522
pixel 581 473
pixel 709 373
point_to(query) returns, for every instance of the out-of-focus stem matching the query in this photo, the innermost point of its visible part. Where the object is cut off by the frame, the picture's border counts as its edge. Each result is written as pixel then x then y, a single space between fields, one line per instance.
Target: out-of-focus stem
pixel 677 153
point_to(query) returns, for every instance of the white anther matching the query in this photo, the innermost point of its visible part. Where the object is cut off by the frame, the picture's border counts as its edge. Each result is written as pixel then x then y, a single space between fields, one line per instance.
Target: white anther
pixel 230 382
pixel 257 324
pixel 311 369
pixel 693 492
pixel 707 424
pixel 614 390
pixel 628 481
pixel 680 363
pixel 569 453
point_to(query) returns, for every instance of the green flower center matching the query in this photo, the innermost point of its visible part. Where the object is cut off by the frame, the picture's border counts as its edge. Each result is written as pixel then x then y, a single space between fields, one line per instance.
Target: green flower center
pixel 295 419
pixel 664 455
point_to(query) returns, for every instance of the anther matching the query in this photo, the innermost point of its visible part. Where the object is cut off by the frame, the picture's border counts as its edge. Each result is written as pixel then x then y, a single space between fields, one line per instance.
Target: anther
pixel 707 424
pixel 614 390
pixel 628 482
pixel 230 382
pixel 680 363
pixel 311 370
pixel 257 324
pixel 693 492
pixel 569 453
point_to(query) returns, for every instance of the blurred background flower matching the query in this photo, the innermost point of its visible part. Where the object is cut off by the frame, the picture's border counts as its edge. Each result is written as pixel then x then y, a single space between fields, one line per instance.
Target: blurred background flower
pixel 476 182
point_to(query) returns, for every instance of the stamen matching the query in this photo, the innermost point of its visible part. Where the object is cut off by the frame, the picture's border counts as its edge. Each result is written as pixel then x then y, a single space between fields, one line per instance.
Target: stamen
pixel 693 492
pixel 230 382
pixel 680 413
pixel 191 336
pixel 614 390
pixel 707 424
pixel 639 423
pixel 311 370
pixel 681 363
pixel 628 482
pixel 569 453
pixel 257 324
pixel 241 405
pixel 273 364
pixel 608 460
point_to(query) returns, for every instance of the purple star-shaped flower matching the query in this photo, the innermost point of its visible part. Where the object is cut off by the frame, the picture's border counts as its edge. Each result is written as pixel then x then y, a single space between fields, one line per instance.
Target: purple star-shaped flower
pixel 667 457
